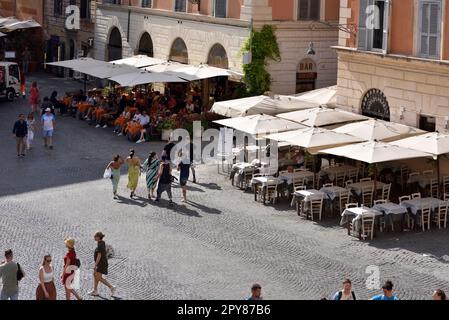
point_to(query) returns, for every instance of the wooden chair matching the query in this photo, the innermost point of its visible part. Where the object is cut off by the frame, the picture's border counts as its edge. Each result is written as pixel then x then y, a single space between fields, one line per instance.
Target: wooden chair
pixel 446 184
pixel 440 215
pixel 386 192
pixel 416 195
pixel 348 184
pixel 433 188
pixel 340 178
pixel 343 200
pixel 368 220
pixel 316 208
pixel 382 220
pixel 247 177
pixel 405 171
pixel 365 179
pixel 425 218
pixel 446 197
pixel 353 174
pixel 408 217
pixel 367 195
pixel 271 193
pixel 427 172
pixel 328 185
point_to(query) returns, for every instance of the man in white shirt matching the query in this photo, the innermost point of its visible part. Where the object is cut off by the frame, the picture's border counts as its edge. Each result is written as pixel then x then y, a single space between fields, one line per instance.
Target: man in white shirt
pixel 48 125
pixel 144 120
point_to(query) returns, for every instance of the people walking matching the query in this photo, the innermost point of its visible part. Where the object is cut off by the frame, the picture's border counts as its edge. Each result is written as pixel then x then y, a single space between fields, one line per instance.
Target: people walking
pixel 439 295
pixel 165 179
pixel 48 126
pixel 71 263
pixel 387 292
pixel 184 171
pixel 101 265
pixel 133 163
pixel 256 292
pixel 115 166
pixel 346 293
pixel 46 289
pixel 20 131
pixel 10 274
pixel 34 98
pixel 151 167
pixel 31 126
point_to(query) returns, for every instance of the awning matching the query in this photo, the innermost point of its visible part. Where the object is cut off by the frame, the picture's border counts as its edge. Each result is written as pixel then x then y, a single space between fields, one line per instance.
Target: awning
pixel 203 71
pixel 11 24
pixel 144 77
pixel 139 61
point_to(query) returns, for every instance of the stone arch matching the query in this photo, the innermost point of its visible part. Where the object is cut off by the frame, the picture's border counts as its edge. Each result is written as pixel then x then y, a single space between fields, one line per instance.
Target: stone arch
pixel 374 104
pixel 114 46
pixel 218 57
pixel 145 45
pixel 178 51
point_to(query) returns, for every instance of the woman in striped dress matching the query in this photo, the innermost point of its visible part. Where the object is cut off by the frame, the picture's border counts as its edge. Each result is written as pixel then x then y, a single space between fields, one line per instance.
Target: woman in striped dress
pixel 151 167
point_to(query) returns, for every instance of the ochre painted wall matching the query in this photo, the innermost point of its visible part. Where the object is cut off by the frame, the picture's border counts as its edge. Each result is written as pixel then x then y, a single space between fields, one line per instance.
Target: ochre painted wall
pixel 163 4
pixel 234 8
pixel 26 9
pixel 282 10
pixel 401 33
pixel 446 33
pixel 332 10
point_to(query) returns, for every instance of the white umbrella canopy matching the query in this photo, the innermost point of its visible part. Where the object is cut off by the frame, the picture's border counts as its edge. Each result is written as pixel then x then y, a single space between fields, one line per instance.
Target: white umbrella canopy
pixel 2 35
pixel 321 116
pixel 433 142
pixel 375 152
pixel 193 73
pixel 261 124
pixel 322 97
pixel 314 138
pixel 106 71
pixel 380 130
pixel 144 77
pixel 79 63
pixel 139 61
pixel 11 24
pixel 259 104
pixel 166 66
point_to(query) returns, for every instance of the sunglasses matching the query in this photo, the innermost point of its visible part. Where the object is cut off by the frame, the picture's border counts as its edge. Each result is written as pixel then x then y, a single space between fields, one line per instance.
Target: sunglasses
pixel 48 261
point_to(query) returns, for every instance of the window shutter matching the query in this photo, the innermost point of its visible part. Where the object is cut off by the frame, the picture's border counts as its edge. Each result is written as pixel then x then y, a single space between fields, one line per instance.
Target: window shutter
pixel 180 6
pixel 430 21
pixel 386 27
pixel 362 35
pixel 315 9
pixel 303 10
pixel 220 8
pixel 434 30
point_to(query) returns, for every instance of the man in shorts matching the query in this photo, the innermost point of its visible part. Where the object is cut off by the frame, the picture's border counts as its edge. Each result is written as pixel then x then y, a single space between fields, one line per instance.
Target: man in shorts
pixel 48 125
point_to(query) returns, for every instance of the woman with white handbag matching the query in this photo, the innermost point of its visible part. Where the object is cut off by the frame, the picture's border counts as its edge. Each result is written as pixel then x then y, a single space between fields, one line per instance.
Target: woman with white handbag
pixel 113 172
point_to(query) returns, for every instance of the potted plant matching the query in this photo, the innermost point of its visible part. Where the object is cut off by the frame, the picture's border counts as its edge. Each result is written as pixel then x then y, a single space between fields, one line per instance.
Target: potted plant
pixel 166 127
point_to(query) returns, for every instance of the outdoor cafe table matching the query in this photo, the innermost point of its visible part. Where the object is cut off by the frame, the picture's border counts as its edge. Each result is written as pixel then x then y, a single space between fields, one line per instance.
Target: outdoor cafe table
pixel 417 204
pixel 422 179
pixel 289 177
pixel 240 168
pixel 332 171
pixel 356 215
pixel 332 194
pixel 357 187
pixel 264 182
pixel 305 196
pixel 394 212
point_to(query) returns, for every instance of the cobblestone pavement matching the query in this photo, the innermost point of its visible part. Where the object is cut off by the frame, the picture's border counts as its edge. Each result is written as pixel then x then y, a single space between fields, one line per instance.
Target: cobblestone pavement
pixel 213 247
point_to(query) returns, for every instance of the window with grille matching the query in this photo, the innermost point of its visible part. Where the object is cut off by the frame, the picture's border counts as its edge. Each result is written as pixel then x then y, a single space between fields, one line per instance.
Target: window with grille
pixel 373 29
pixel 220 8
pixel 180 5
pixel 147 3
pixel 85 9
pixel 429 28
pixel 57 7
pixel 309 9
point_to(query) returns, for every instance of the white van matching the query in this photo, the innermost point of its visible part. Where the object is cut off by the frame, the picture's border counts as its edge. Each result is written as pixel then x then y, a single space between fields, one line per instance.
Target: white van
pixel 9 80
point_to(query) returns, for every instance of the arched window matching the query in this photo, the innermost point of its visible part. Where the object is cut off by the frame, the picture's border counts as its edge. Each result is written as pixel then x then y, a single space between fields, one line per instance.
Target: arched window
pixel 218 57
pixel 146 45
pixel 375 105
pixel 306 75
pixel 178 52
pixel 115 45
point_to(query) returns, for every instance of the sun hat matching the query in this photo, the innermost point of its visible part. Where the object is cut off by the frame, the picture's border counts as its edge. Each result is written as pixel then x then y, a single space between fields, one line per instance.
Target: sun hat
pixel 47 110
pixel 69 242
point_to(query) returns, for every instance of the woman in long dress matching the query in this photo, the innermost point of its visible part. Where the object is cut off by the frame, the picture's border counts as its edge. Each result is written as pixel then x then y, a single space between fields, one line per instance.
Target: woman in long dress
pixel 133 163
pixel 115 166
pixel 151 167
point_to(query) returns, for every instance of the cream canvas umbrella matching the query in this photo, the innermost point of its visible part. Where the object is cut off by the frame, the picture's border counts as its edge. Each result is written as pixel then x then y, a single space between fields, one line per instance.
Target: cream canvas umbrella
pixel 166 67
pixel 106 71
pixel 193 73
pixel 139 61
pixel 78 63
pixel 321 116
pixel 380 130
pixel 144 77
pixel 259 104
pixel 435 143
pixel 323 97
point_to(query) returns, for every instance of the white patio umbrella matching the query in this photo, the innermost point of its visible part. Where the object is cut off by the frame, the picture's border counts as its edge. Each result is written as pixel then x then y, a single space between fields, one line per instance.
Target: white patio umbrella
pixel 12 24
pixel 380 130
pixel 260 124
pixel 259 104
pixel 139 61
pixel 166 66
pixel 106 71
pixel 3 35
pixel 435 143
pixel 144 77
pixel 193 73
pixel 323 97
pixel 321 116
pixel 79 63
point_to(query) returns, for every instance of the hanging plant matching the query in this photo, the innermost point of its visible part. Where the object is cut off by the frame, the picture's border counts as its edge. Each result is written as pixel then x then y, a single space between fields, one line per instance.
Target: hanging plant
pixel 263 47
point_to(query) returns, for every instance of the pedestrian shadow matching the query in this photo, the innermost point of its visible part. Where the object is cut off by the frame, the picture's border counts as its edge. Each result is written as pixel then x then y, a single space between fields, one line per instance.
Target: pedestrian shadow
pixel 189 188
pixel 204 208
pixel 211 186
pixel 100 297
pixel 180 209
pixel 141 202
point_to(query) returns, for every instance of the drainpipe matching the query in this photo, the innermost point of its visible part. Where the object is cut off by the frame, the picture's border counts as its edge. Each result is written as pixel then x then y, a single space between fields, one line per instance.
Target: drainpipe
pixel 129 20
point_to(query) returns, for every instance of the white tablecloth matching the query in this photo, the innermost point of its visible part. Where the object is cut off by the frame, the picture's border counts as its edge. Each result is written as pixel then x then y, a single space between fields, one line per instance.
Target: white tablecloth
pixel 308 195
pixel 390 208
pixel 267 181
pixel 333 192
pixel 288 177
pixel 243 166
pixel 357 187
pixel 357 213
pixel 422 179
pixel 332 171
pixel 417 204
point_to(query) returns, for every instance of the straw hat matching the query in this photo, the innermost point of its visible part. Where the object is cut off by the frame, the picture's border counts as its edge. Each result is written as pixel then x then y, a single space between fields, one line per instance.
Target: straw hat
pixel 70 243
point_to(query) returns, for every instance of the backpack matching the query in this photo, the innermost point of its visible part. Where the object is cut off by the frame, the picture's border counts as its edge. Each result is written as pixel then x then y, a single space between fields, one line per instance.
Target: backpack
pixel 340 293
pixel 78 263
pixel 19 272
pixel 109 251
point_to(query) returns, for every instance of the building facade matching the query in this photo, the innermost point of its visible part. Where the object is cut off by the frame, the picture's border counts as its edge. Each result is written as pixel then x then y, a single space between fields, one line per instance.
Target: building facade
pixel 214 32
pixel 23 9
pixel 68 40
pixel 395 66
